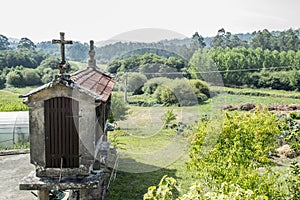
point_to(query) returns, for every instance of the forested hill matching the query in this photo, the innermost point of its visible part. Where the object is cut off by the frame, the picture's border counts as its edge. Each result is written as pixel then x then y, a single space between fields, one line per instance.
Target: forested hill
pixel 111 50
pixel 272 40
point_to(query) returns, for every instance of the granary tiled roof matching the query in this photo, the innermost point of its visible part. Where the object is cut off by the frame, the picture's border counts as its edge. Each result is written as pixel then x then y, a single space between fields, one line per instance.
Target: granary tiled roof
pixel 90 81
pixel 95 81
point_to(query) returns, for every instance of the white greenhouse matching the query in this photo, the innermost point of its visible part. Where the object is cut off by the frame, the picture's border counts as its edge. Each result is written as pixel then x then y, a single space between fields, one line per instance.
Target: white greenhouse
pixel 14 128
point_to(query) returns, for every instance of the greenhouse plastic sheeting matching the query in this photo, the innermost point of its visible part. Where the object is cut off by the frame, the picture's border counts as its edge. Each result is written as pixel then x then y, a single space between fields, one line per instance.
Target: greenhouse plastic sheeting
pixel 14 128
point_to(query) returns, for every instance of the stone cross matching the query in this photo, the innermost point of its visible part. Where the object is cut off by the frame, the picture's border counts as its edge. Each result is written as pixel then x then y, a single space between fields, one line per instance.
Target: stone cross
pixel 62 66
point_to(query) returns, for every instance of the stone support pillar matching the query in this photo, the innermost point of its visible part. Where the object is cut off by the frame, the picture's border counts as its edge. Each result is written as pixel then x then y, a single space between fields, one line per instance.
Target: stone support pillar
pixel 84 194
pixel 43 194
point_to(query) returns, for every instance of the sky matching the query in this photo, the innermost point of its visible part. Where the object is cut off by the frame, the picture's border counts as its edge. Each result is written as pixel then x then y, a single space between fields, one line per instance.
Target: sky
pixel 146 20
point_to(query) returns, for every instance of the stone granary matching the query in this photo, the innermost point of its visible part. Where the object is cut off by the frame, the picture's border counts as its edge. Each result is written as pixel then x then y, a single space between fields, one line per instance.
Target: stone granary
pixel 67 119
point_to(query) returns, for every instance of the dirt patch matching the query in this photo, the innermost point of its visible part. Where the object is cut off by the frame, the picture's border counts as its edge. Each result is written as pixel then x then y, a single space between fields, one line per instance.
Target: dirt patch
pixel 252 107
pixel 286 152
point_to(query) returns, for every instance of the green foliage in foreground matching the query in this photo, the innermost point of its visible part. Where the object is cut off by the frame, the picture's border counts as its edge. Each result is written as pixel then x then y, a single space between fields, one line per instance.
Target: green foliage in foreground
pixel 240 155
pixel 232 162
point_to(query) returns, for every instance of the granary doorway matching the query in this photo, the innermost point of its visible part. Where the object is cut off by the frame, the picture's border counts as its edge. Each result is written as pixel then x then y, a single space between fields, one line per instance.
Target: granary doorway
pixel 61 132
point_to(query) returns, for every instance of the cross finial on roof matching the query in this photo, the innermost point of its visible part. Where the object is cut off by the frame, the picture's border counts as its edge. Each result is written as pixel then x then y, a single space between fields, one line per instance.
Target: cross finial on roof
pixel 92 61
pixel 62 65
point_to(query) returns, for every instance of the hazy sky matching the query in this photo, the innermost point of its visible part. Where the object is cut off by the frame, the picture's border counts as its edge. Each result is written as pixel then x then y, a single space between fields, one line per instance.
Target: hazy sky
pixel 83 20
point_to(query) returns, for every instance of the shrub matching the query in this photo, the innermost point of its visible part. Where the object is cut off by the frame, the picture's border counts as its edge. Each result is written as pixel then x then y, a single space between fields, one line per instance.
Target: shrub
pixel 15 78
pixel 295 115
pixel 168 117
pixel 165 96
pixel 200 86
pixel 241 149
pixel 293 181
pixel 164 191
pixel 179 91
pixel 151 85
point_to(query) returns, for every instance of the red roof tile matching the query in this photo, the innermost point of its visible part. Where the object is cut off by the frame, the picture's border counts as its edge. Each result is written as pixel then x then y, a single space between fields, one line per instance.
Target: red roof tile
pixel 94 81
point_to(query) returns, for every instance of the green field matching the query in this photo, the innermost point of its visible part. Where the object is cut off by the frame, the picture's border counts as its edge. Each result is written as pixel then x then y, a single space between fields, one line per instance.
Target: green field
pixel 147 151
pixel 142 136
pixel 10 101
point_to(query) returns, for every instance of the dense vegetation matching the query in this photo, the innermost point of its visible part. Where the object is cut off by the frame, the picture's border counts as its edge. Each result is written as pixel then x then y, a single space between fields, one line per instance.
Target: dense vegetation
pixel 266 60
pixel 25 65
pixel 276 40
pixel 248 67
pixel 261 59
pixel 232 159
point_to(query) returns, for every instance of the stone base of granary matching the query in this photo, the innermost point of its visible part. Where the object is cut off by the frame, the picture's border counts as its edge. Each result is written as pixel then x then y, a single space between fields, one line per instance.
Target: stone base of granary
pixel 90 187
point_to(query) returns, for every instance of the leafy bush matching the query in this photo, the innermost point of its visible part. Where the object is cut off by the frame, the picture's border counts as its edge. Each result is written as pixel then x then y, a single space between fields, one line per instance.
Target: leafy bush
pixel 280 80
pixel 293 181
pixel 151 85
pixel 295 115
pixel 165 96
pixel 142 100
pixel 227 191
pixel 182 92
pixel 15 78
pixel 164 190
pixel 240 155
pixel 200 87
pixel 290 133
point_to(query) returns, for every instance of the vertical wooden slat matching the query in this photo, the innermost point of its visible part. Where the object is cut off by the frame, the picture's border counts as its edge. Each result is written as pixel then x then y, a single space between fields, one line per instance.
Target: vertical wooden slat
pixel 64 133
pixel 61 135
pixel 76 136
pixel 67 134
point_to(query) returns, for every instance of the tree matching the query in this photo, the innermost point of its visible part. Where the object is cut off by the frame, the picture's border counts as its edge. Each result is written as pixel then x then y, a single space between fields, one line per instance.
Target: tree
pixel 263 39
pixel 113 66
pixel 26 43
pixel 31 77
pixel 201 66
pixel 226 39
pixel 15 78
pixel 136 82
pixel 4 44
pixel 50 62
pixel 78 51
pixel 197 41
pixel 219 39
pixel 119 109
pixel 289 40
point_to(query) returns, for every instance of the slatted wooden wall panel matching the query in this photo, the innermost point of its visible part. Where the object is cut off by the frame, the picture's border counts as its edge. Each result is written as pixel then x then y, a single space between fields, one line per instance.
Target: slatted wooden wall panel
pixel 61 135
